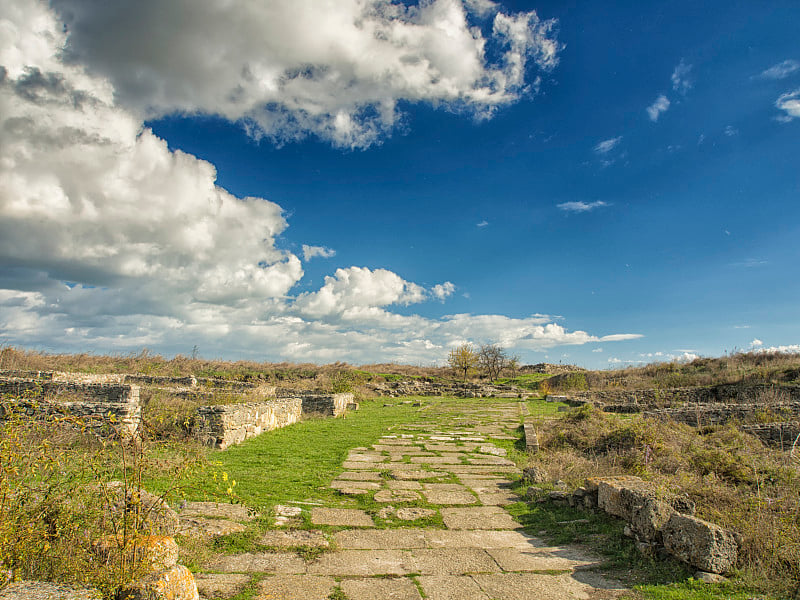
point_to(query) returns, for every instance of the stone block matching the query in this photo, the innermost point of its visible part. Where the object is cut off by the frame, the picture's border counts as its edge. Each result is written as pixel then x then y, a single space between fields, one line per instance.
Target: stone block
pixel 648 518
pixel 176 583
pixel 701 544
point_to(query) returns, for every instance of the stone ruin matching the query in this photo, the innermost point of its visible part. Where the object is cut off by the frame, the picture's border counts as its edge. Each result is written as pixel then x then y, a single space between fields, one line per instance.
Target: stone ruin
pixel 111 404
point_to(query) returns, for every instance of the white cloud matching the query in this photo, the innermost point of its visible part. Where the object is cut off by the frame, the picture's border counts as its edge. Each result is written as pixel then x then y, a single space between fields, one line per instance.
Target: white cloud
pixel 788 349
pixel 580 206
pixel 731 131
pixel 661 105
pixel 607 146
pixel 790 104
pixel 782 70
pixel 597 350
pixel 680 78
pixel 109 241
pixel 483 223
pixel 310 252
pixel 442 291
pixel 289 68
pixel 756 343
pixel 750 263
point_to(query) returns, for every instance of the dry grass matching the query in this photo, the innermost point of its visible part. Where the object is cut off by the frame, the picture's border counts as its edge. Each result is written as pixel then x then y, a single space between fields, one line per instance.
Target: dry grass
pixel 735 480
pixel 751 367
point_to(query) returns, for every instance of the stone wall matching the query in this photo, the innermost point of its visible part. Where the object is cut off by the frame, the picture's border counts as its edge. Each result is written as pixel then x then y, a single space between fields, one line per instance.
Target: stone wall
pixel 780 435
pixel 97 404
pixel 702 415
pixel 329 405
pixel 657 522
pixel 222 426
pixel 425 387
pixel 638 400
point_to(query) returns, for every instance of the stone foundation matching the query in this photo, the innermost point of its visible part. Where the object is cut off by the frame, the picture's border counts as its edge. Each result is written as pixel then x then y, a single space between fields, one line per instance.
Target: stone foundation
pixel 222 426
pixel 329 405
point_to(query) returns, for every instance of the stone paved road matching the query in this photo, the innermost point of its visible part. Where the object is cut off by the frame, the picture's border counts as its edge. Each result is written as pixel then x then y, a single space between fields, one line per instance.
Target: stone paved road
pixel 446 472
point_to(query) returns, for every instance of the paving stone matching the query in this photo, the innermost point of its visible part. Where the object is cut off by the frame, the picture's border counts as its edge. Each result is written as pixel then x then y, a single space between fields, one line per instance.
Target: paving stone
pixel 512 559
pixel 263 562
pixel 491 449
pixel 347 517
pixel 216 510
pixel 396 442
pixel 220 585
pixel 478 517
pixel 449 447
pixel 445 487
pixel 453 561
pixel 448 497
pixel 363 563
pixel 485 485
pixel 360 476
pixel 199 527
pixel 396 496
pixel 490 460
pixel 380 539
pixel 454 538
pixel 416 475
pixel 349 484
pixel 380 589
pixel 413 513
pixel 364 466
pixel 531 586
pixel 451 587
pixel 487 469
pixel 366 457
pixel 403 485
pixel 293 538
pixel 498 498
pixel 436 460
pixel 295 587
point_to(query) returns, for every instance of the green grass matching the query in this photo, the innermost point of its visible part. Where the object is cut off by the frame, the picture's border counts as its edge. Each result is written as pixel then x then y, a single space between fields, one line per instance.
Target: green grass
pixel 528 381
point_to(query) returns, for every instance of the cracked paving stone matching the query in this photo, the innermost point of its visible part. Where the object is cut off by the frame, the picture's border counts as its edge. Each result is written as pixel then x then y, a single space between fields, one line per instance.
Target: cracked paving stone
pixel 294 538
pixel 295 587
pixel 453 561
pixel 478 517
pixel 380 539
pixel 531 586
pixel 451 587
pixel 363 563
pixel 346 517
pixel 448 497
pixel 396 496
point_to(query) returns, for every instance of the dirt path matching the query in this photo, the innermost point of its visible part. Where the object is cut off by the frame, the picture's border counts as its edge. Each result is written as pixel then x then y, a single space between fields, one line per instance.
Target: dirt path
pixel 438 529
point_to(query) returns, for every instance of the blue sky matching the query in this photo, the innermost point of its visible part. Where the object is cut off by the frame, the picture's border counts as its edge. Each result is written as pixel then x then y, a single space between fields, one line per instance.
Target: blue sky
pixel 602 184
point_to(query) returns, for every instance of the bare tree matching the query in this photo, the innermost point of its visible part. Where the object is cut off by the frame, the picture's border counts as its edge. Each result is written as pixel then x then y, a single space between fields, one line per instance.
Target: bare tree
pixel 492 359
pixel 463 359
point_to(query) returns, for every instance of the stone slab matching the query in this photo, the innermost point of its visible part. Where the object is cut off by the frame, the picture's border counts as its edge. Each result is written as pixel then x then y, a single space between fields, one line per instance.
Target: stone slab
pixel 350 484
pixel 498 498
pixel 455 538
pixel 445 487
pixel 359 476
pixel 531 586
pixel 451 587
pixel 449 497
pixel 403 485
pixel 513 559
pixel 380 589
pixel 412 513
pixel 346 517
pixel 453 561
pixel 294 538
pixel 203 527
pixel 437 460
pixel 220 585
pixel 216 510
pixel 478 517
pixel 295 587
pixel 380 539
pixel 283 563
pixel 417 474
pixel 363 563
pixel 396 496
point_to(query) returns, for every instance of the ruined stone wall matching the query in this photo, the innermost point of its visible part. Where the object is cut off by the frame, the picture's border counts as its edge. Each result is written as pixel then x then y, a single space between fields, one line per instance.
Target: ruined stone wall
pixel 422 387
pixel 639 400
pixel 99 405
pixel 222 426
pixel 780 435
pixel 701 415
pixel 329 405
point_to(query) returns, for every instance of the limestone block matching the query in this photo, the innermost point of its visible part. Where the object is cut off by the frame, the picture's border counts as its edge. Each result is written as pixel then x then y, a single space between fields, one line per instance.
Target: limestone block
pixel 610 495
pixel 649 518
pixel 154 552
pixel 154 514
pixel 176 583
pixel 699 543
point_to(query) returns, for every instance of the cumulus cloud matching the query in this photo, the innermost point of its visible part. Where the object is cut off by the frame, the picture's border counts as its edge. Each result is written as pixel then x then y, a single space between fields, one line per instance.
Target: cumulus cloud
pixel 787 349
pixel 607 146
pixel 289 68
pixel 581 207
pixel 111 241
pixel 661 105
pixel 756 343
pixel 782 70
pixel 790 104
pixel 482 224
pixel 310 252
pixel 681 82
pixel 442 291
